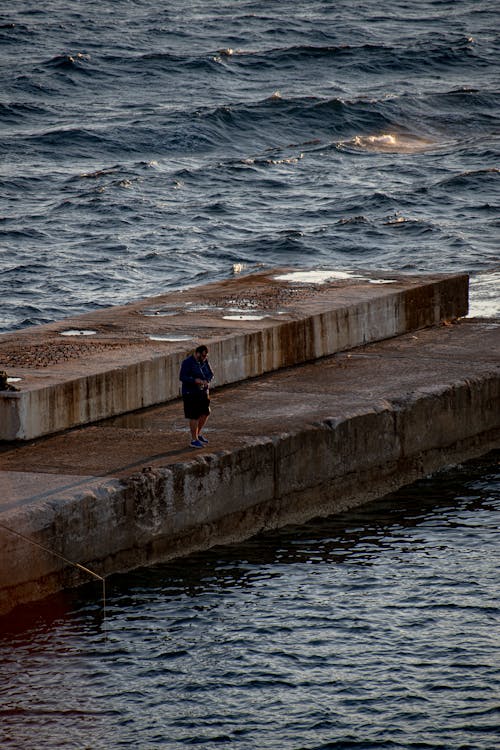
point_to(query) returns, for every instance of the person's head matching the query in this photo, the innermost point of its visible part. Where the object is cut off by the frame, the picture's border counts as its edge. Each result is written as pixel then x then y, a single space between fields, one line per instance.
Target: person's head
pixel 201 353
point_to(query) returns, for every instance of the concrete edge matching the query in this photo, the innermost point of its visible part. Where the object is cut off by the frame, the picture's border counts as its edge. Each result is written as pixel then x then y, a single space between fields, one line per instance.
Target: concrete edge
pixel 159 514
pixel 28 414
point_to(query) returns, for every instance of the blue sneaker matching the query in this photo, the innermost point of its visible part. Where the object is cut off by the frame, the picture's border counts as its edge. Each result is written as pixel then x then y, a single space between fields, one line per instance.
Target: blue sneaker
pixel 202 439
pixel 196 444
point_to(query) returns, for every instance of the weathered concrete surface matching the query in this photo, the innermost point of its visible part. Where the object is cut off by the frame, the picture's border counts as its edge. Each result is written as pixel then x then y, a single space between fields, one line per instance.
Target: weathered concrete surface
pixel 305 441
pixel 117 360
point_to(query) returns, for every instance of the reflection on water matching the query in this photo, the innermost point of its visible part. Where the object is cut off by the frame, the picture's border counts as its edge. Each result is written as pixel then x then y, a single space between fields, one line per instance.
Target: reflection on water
pixel 374 628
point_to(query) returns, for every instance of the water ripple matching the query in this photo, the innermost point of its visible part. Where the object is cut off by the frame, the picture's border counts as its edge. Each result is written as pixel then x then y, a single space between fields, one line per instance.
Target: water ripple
pixel 366 630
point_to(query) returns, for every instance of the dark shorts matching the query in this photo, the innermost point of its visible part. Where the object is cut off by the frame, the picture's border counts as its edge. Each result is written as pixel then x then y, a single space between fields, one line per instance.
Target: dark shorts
pixel 196 405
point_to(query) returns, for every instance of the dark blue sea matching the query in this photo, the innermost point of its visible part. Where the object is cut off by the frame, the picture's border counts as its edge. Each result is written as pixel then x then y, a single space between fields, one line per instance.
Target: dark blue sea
pixel 148 146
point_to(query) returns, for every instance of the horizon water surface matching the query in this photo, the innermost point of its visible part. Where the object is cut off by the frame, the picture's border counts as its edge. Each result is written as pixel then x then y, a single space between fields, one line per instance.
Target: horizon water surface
pixel 148 146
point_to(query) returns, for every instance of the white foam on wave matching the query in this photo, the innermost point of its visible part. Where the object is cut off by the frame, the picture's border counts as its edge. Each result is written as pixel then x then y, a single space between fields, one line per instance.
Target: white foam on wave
pixel 394 143
pixel 484 295
pixel 239 268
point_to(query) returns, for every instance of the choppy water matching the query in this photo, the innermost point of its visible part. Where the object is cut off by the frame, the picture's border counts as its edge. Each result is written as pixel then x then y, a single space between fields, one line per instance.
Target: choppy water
pixel 150 145
pixel 146 146
pixel 377 628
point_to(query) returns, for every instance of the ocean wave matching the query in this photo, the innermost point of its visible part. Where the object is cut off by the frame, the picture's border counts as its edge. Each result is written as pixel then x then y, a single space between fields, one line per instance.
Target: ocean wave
pixel 159 62
pixel 353 220
pixel 295 245
pixel 23 184
pixel 280 120
pixel 392 143
pixel 464 96
pixel 6 235
pixel 99 173
pixel 473 178
pixel 17 111
pixel 67 137
pixel 415 227
pixel 68 61
pixel 278 137
pixel 438 50
pixel 12 32
pixel 33 85
pixel 297 53
pixel 481 184
pixel 404 124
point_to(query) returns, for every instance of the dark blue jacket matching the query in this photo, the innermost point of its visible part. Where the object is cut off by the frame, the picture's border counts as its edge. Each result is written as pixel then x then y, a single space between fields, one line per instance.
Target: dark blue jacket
pixel 192 370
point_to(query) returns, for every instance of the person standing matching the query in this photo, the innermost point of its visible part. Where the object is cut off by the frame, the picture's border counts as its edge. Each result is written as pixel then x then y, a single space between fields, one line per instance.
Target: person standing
pixel 195 376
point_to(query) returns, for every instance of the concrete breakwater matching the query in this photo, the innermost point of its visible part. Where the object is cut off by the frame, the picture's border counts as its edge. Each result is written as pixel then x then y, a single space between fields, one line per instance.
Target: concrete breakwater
pixel 116 360
pixel 310 439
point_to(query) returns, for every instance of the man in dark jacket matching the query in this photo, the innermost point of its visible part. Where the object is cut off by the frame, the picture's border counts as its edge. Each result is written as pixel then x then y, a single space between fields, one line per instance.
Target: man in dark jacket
pixel 195 376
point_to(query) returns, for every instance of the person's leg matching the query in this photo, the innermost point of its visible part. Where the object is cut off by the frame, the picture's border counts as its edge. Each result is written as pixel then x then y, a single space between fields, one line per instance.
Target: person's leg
pixel 192 413
pixel 201 422
pixel 195 428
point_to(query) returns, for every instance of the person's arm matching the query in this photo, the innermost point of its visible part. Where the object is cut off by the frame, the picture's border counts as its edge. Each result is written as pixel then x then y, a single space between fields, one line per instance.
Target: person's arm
pixel 186 374
pixel 208 372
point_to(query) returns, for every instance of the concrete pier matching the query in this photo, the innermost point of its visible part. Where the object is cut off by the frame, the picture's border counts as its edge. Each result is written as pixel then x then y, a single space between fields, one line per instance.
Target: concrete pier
pixel 305 440
pixel 116 360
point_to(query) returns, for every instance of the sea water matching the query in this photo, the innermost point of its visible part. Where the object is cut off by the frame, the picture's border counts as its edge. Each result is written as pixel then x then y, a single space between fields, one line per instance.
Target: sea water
pixel 375 628
pixel 149 146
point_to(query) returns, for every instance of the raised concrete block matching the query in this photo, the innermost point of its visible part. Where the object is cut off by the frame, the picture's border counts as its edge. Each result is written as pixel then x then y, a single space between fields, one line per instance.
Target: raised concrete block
pixel 118 360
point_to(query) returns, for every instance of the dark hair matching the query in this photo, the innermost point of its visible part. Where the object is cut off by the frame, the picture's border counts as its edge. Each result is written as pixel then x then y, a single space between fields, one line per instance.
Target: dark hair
pixel 202 349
